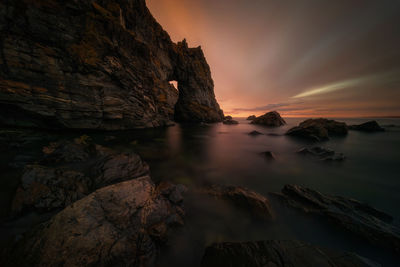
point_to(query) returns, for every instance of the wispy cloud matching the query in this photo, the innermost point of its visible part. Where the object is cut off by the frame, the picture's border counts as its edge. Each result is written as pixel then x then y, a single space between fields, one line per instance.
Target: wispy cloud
pixel 277 106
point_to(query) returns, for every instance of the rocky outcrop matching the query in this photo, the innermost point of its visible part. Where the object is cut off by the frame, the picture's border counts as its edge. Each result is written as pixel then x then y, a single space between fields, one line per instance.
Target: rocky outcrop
pixel 271 119
pixel 254 133
pixel 251 117
pixel 229 120
pixel 257 205
pixel 97 64
pixel 353 216
pixel 318 129
pixel 321 153
pixel 370 126
pixel 279 254
pixel 119 225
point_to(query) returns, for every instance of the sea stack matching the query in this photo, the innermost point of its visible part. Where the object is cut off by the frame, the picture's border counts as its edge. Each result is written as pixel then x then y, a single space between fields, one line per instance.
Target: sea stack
pixel 271 119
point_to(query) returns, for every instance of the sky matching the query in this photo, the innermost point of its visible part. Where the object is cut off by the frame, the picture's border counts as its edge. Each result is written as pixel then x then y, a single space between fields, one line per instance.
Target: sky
pixel 303 58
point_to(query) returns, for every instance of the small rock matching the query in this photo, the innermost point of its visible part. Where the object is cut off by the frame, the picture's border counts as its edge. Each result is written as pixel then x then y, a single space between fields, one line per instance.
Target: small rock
pixel 254 133
pixel 268 155
pixel 370 126
pixel 229 121
pixel 271 119
pixel 250 118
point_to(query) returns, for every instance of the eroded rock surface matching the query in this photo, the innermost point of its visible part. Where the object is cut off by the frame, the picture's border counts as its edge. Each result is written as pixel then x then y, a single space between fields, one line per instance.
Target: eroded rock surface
pixel 271 119
pixel 370 126
pixel 119 225
pixel 321 153
pixel 276 253
pixel 99 65
pixel 318 129
pixel 358 218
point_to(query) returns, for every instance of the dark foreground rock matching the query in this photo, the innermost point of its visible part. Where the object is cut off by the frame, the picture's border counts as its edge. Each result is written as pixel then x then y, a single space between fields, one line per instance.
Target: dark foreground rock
pixel 120 225
pixel 99 65
pixel 257 205
pixel 254 133
pixel 271 119
pixel 268 155
pixel 279 254
pixel 358 218
pixel 229 120
pixel 251 117
pixel 318 129
pixel 321 153
pixel 370 126
pixel 71 170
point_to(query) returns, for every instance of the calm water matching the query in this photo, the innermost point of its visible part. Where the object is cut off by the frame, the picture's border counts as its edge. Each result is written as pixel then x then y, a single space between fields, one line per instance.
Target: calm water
pixel 226 154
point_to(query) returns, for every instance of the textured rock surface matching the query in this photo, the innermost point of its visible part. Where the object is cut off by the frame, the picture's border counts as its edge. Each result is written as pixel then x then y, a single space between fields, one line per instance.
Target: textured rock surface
pixel 272 119
pixel 370 126
pixel 251 117
pixel 257 205
pixel 119 225
pixel 97 64
pixel 318 129
pixel 279 254
pixel 361 219
pixel 321 153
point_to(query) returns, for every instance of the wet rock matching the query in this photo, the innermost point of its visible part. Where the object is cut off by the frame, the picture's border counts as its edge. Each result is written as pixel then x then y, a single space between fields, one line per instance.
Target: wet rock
pixel 250 118
pixel 318 129
pixel 119 225
pixel 97 65
pixel 353 216
pixel 370 126
pixel 229 120
pixel 274 134
pixel 268 155
pixel 272 119
pixel 322 153
pixel 254 133
pixel 257 205
pixel 279 254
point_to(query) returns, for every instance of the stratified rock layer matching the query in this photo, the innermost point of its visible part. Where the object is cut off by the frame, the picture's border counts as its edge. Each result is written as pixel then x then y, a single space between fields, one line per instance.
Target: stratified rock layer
pixel 97 64
pixel 275 253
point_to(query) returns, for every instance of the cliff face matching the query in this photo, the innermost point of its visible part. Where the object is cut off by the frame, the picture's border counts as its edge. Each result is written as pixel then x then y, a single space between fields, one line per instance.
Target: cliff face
pixel 99 64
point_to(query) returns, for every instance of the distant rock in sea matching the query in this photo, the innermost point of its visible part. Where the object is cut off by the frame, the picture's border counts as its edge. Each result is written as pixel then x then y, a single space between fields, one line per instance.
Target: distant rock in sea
pixel 271 119
pixel 250 118
pixel 279 253
pixel 98 65
pixel 370 126
pixel 254 133
pixel 229 120
pixel 318 129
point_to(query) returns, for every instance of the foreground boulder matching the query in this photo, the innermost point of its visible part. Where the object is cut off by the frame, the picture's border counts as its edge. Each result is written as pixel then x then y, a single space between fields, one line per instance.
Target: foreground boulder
pixel 257 205
pixel 98 65
pixel 318 129
pixel 370 126
pixel 358 218
pixel 279 254
pixel 120 225
pixel 321 153
pixel 272 119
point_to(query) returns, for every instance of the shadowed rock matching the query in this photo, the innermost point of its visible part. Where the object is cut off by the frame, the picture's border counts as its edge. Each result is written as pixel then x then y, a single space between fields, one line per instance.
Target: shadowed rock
pixel 229 120
pixel 353 216
pixel 279 254
pixel 254 133
pixel 268 155
pixel 250 118
pixel 257 205
pixel 119 225
pixel 272 119
pixel 318 129
pixel 321 153
pixel 98 65
pixel 370 126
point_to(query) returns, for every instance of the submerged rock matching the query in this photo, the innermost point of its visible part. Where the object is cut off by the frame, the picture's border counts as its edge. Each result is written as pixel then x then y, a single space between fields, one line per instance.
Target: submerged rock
pixel 254 133
pixel 272 119
pixel 250 118
pixel 119 225
pixel 370 126
pixel 268 155
pixel 321 153
pixel 98 65
pixel 318 129
pixel 257 205
pixel 279 254
pixel 353 216
pixel 229 120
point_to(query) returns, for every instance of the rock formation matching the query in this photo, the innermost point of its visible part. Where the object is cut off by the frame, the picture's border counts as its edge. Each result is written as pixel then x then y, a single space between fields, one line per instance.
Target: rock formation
pixel 318 129
pixel 97 64
pixel 279 254
pixel 370 126
pixel 251 117
pixel 321 153
pixel 229 120
pixel 271 119
pixel 353 216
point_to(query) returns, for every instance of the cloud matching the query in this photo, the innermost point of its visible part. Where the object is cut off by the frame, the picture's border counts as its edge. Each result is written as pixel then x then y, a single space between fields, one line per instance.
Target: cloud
pixel 269 107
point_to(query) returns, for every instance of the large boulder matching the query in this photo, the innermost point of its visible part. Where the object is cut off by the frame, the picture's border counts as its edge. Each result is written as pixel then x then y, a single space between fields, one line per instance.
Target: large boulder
pixel 370 126
pixel 99 64
pixel 279 254
pixel 120 225
pixel 318 129
pixel 353 216
pixel 272 119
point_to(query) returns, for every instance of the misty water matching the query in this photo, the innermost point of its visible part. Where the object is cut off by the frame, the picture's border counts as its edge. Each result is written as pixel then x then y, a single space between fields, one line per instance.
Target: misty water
pixel 197 155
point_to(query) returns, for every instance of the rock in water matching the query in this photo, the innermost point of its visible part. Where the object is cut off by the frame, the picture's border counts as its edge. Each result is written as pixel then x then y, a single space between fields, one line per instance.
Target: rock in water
pixel 119 225
pixel 322 153
pixel 254 133
pixel 370 126
pixel 318 129
pixel 279 254
pixel 358 218
pixel 250 118
pixel 98 65
pixel 268 155
pixel 229 120
pixel 272 119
